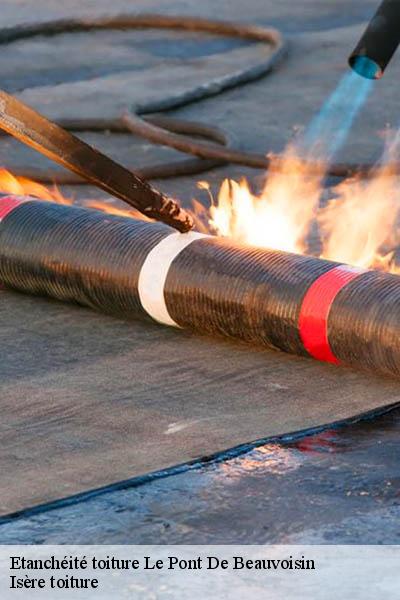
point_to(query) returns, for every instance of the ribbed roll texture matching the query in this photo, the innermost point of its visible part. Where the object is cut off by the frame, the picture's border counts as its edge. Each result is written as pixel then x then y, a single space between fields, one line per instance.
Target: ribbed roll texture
pixel 294 303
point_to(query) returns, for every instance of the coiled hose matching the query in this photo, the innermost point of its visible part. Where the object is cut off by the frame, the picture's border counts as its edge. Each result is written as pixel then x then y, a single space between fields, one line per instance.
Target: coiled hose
pixel 164 130
pixel 138 269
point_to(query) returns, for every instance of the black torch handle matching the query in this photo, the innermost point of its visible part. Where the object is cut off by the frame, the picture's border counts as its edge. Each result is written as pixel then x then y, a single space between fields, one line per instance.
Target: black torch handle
pixel 379 41
pixel 48 138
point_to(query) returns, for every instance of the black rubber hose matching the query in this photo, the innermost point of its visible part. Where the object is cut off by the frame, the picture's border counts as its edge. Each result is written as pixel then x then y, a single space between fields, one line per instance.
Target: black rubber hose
pixel 270 37
pixel 136 269
pixel 157 134
pixel 162 130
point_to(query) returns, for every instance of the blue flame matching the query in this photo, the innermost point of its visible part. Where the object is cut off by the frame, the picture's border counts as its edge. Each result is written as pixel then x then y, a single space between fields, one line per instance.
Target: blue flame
pixel 329 129
pixel 366 67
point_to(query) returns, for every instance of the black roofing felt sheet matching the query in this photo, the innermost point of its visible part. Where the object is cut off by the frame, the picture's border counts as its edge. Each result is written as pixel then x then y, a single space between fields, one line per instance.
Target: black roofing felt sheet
pixel 89 400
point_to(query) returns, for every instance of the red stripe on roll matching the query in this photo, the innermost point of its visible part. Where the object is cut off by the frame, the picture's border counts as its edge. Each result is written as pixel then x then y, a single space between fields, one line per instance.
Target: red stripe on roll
pixel 8 203
pixel 314 312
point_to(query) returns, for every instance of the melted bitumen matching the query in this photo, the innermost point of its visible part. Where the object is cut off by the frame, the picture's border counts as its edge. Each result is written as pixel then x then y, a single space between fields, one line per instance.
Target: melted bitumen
pixel 341 485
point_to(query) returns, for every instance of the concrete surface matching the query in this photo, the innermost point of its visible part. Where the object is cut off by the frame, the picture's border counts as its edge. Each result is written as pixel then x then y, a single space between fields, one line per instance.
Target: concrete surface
pixel 48 369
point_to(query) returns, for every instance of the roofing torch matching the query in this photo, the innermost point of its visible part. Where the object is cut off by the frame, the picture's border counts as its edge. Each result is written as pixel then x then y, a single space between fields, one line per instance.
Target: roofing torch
pixel 379 41
pixel 34 130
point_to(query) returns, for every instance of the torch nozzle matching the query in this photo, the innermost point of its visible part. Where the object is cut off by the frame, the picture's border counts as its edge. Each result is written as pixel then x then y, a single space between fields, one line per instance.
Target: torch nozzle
pixel 379 42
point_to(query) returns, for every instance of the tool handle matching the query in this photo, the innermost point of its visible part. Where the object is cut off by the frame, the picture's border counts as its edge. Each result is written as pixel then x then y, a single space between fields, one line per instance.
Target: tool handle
pixel 48 138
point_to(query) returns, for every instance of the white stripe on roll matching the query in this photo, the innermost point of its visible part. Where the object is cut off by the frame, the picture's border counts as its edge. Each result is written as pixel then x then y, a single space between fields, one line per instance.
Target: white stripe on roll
pixel 154 271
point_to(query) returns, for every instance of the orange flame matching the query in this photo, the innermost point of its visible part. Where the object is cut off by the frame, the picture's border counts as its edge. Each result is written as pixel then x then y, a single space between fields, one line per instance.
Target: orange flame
pixel 360 222
pixel 358 226
pixel 115 210
pixel 280 216
pixel 21 186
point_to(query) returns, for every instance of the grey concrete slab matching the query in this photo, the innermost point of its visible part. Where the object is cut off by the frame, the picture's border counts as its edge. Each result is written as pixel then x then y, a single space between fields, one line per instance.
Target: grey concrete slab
pixel 107 96
pixel 308 13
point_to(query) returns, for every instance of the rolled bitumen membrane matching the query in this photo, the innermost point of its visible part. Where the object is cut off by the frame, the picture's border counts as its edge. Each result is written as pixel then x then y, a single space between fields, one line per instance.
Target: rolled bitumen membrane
pixel 90 401
pixel 133 268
